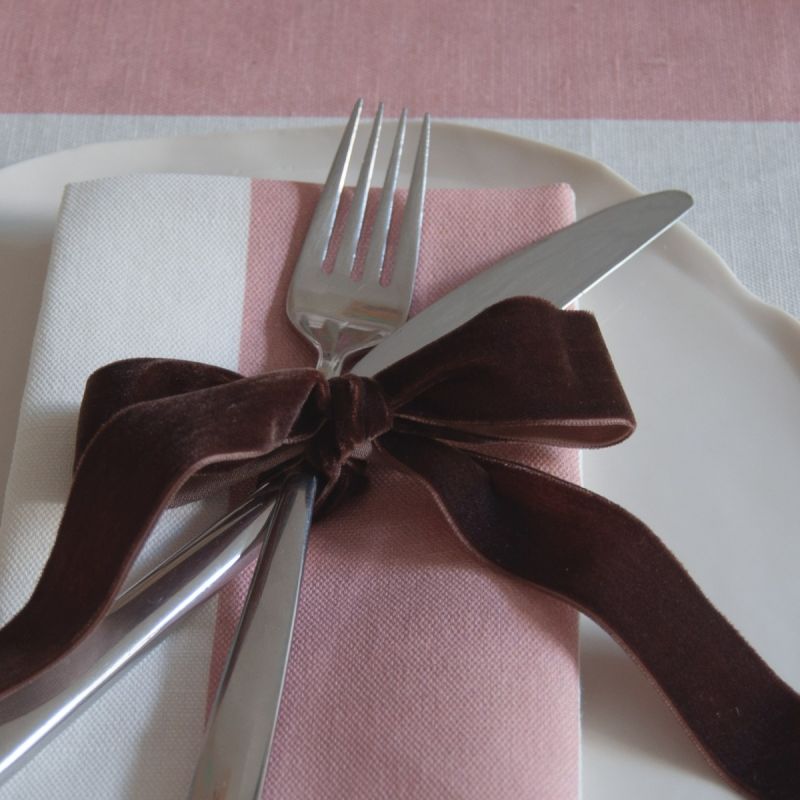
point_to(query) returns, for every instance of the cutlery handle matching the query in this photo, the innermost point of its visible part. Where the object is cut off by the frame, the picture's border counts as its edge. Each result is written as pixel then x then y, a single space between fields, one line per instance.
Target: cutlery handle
pixel 138 618
pixel 233 762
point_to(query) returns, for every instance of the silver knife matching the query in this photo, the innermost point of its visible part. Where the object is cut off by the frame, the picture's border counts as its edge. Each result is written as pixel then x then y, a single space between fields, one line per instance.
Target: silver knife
pixel 560 269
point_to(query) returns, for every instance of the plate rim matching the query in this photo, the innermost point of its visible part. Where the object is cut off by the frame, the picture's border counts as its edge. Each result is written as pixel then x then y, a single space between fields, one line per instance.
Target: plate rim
pixel 780 325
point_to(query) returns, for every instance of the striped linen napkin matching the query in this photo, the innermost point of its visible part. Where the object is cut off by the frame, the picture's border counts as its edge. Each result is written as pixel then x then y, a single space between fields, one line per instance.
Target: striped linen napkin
pixel 417 670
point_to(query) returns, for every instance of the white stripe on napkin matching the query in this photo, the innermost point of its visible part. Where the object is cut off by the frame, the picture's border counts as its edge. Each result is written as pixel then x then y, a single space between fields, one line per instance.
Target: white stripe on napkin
pixel 120 288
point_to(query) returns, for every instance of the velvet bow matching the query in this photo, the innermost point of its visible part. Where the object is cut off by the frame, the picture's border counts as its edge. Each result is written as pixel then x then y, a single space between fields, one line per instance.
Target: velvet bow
pixel 154 431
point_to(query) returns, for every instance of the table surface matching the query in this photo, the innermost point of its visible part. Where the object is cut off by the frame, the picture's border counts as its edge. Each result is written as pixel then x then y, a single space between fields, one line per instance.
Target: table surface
pixel 694 95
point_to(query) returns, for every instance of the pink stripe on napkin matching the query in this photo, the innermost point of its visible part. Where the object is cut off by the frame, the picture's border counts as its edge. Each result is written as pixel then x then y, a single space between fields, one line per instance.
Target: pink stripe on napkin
pixel 417 670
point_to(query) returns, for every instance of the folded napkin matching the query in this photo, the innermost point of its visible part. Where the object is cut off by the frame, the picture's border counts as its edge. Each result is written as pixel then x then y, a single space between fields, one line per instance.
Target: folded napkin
pixel 417 670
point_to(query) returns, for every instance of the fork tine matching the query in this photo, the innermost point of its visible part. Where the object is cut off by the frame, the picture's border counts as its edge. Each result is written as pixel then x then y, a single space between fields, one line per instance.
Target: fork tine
pixel 405 264
pixel 373 263
pixel 315 244
pixel 346 255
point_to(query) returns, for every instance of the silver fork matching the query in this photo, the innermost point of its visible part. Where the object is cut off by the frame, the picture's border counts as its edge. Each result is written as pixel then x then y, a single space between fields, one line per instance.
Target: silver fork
pixel 340 315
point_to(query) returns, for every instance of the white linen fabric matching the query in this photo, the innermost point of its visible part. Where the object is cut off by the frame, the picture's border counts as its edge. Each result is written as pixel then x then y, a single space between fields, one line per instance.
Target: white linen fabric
pixel 118 287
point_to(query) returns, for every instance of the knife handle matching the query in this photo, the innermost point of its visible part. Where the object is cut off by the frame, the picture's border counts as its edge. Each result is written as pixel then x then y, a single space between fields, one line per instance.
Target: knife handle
pixel 233 762
pixel 135 623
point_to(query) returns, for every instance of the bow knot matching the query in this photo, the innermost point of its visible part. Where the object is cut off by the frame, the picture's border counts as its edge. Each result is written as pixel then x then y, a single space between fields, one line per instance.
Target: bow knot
pixel 357 414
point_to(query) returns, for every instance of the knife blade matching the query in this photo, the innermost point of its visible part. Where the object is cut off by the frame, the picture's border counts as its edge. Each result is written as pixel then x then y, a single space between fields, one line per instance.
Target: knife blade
pixel 559 268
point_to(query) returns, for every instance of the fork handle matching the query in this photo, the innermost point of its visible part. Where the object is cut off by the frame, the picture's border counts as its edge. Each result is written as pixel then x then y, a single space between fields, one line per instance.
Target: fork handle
pixel 233 761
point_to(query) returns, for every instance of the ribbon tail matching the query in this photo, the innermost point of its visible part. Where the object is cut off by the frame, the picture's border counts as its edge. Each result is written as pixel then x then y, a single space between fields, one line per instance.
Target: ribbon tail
pixel 605 562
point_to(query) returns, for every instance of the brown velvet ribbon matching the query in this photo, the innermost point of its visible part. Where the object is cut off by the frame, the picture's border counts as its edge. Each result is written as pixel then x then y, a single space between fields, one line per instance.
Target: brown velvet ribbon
pixel 521 371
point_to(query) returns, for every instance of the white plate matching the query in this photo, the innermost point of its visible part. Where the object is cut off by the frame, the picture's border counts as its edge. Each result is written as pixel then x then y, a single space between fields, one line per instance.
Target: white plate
pixel 713 376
